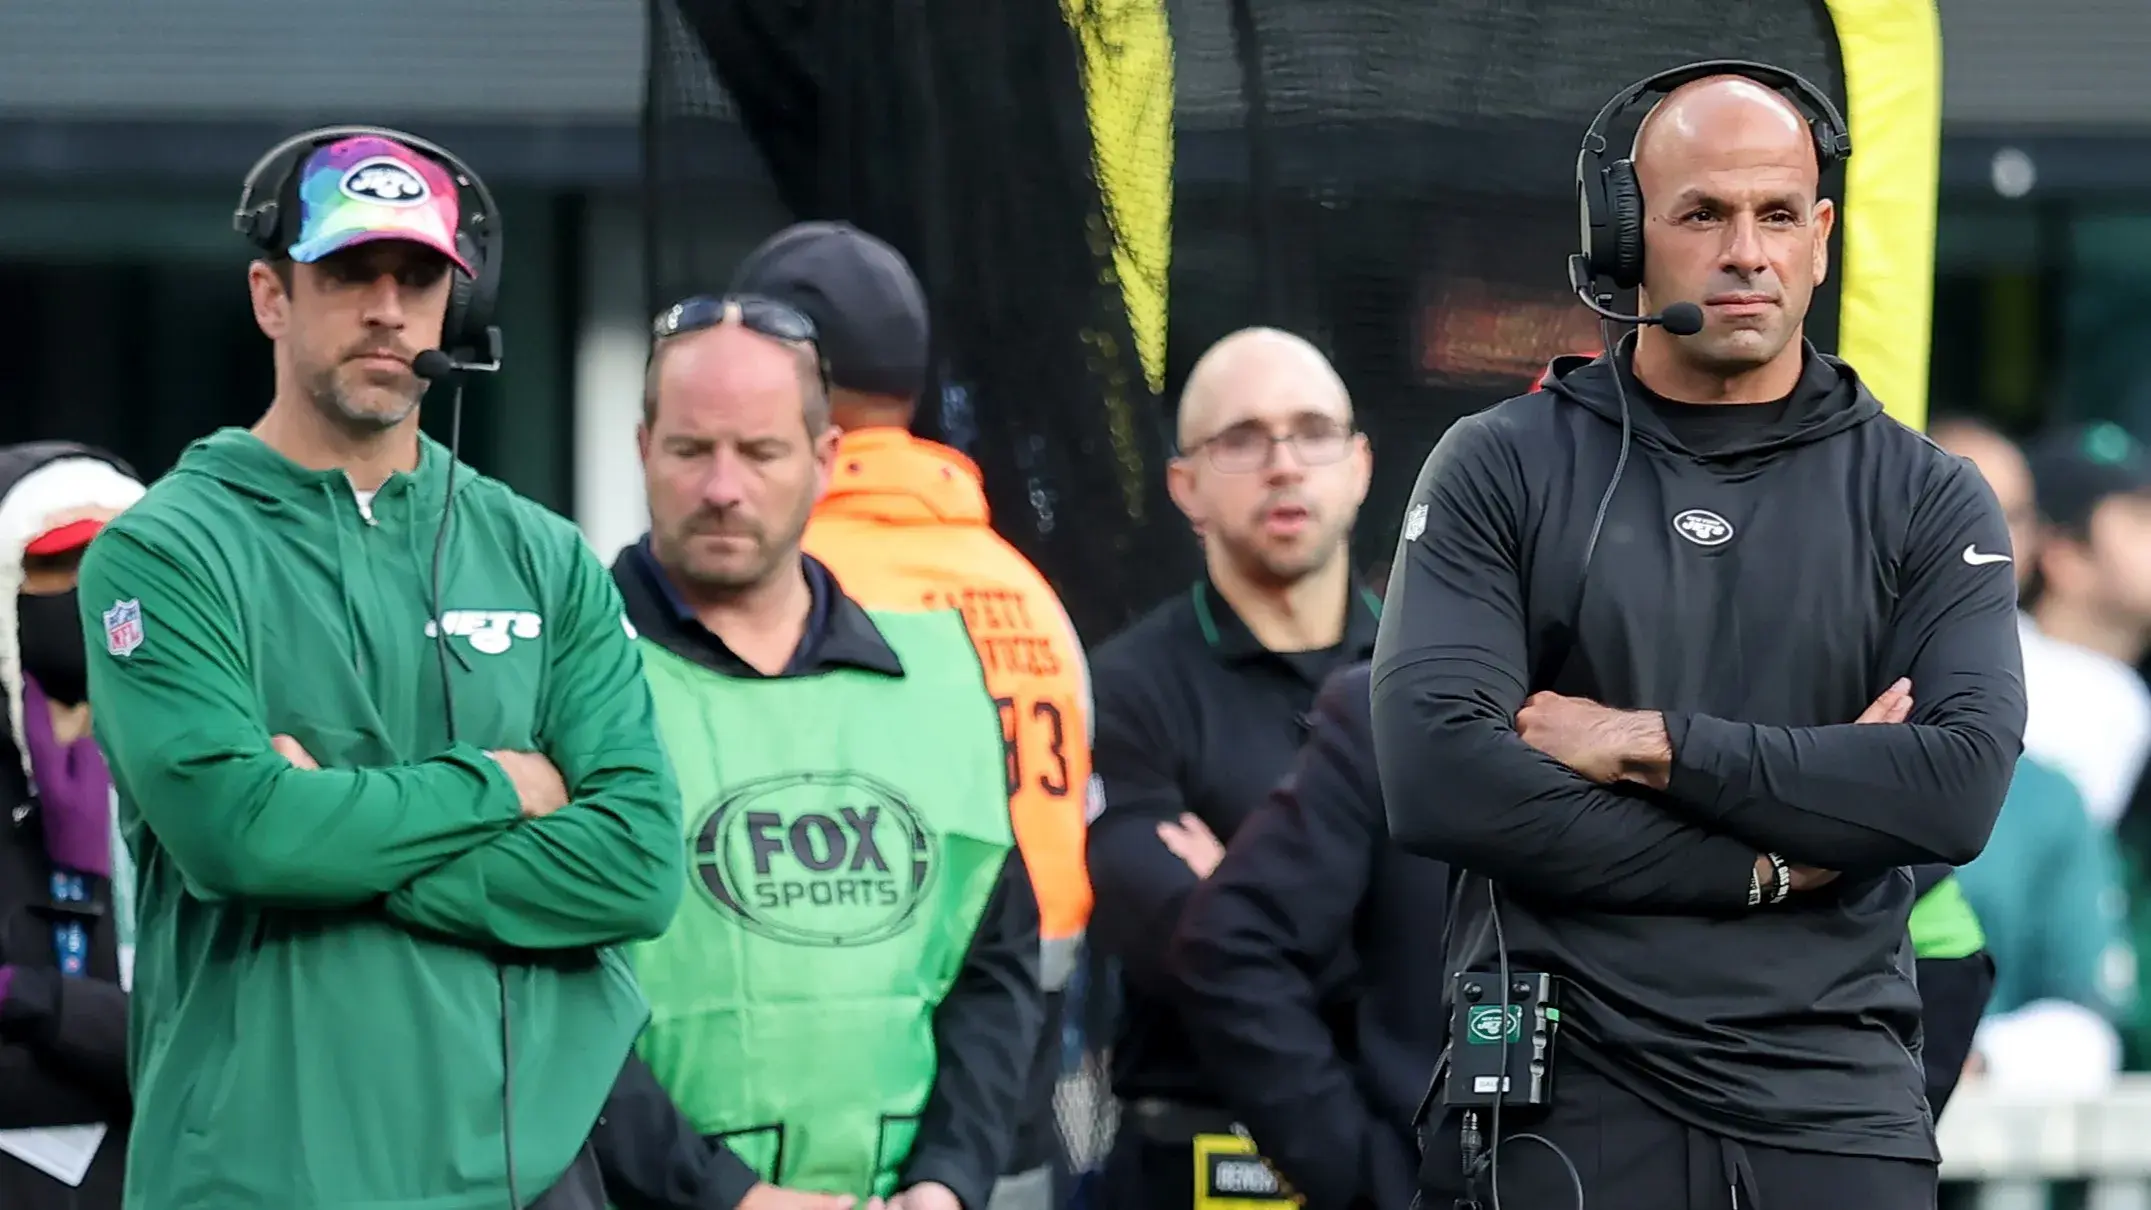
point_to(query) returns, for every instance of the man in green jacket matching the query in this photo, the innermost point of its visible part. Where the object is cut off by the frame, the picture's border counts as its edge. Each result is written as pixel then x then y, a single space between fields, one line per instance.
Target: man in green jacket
pixel 392 809
pixel 848 1003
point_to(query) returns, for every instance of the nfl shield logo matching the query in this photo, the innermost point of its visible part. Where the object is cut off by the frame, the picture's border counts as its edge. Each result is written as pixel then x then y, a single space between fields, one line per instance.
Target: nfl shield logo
pixel 123 628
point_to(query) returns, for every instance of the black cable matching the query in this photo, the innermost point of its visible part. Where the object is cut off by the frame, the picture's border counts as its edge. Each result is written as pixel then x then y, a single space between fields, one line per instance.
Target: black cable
pixel 1501 1090
pixel 448 708
pixel 1620 464
pixel 440 552
pixel 1493 905
pixel 1575 1178
pixel 1501 1087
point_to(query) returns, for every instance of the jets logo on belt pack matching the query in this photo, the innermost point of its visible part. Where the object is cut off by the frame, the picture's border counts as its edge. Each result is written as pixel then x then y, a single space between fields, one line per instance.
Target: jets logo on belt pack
pixel 1486 1021
pixel 490 631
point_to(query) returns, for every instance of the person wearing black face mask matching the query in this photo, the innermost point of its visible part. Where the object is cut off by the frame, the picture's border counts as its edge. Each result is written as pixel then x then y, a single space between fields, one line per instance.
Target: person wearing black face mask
pixel 51 629
pixel 64 1106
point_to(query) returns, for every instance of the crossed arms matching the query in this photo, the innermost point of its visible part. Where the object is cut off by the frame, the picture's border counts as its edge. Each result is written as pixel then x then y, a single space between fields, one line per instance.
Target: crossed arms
pixel 1670 812
pixel 444 845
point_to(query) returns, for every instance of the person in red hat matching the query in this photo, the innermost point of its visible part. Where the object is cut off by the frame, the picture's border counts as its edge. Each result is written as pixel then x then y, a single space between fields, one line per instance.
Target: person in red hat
pixel 63 1007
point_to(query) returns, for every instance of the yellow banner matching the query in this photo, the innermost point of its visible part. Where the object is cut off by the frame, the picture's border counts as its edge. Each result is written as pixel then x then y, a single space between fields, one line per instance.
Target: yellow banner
pixel 1892 52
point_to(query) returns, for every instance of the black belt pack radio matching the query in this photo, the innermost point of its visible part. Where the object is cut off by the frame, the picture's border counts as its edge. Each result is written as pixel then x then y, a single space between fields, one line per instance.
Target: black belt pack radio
pixel 1501 1047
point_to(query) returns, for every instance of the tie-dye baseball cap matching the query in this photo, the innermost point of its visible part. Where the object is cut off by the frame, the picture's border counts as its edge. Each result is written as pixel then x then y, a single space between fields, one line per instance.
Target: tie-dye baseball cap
pixel 366 188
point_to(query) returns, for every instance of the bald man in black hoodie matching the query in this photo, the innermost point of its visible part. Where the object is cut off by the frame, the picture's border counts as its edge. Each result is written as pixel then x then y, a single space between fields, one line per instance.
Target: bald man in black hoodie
pixel 1651 774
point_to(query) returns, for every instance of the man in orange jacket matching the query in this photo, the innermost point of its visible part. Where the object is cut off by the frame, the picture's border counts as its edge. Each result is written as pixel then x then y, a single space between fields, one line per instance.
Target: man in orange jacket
pixel 904 525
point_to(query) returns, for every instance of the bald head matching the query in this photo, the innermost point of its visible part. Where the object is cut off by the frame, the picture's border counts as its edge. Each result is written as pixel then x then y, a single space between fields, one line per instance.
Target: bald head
pixel 1733 221
pixel 1273 473
pixel 1725 117
pixel 1252 366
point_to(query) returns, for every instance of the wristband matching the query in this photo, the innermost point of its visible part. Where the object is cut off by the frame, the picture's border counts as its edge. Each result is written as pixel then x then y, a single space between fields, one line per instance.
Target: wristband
pixel 1781 878
pixel 1755 886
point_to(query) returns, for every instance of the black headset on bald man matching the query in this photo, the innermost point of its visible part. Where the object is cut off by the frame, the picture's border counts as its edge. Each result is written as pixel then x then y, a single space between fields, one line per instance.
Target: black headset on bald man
pixel 1610 203
pixel 268 214
pixel 1611 209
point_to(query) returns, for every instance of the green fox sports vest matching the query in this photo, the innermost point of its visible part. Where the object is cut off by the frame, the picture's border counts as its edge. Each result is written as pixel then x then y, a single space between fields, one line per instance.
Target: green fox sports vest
pixel 844 831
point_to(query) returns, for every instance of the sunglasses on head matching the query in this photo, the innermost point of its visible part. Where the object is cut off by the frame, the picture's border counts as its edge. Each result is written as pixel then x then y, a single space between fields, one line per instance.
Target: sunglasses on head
pixel 765 316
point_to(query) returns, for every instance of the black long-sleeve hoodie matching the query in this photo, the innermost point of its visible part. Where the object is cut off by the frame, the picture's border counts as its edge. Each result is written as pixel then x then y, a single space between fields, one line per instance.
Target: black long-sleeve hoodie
pixel 1759 592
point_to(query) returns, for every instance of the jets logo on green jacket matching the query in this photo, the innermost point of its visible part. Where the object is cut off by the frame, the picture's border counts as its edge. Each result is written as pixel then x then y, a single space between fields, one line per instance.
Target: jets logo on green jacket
pixel 491 631
pixel 817 858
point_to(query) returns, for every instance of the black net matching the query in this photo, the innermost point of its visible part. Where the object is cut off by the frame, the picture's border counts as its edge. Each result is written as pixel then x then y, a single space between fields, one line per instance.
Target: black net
pixel 1395 180
pixel 1391 178
pixel 956 130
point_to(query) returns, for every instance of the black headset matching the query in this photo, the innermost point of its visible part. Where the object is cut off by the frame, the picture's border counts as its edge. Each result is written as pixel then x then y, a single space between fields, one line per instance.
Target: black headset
pixel 469 341
pixel 269 201
pixel 1612 240
pixel 1607 194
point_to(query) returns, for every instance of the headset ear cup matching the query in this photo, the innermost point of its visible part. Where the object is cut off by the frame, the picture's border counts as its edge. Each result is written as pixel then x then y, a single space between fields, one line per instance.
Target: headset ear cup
pixel 1624 214
pixel 457 331
pixel 1590 194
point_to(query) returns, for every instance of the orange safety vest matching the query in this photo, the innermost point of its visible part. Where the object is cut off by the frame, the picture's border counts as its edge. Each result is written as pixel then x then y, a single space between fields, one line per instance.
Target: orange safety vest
pixel 904 526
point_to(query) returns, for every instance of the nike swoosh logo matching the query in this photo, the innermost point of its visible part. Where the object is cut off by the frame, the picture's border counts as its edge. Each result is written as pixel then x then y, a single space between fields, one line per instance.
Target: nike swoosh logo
pixel 1976 559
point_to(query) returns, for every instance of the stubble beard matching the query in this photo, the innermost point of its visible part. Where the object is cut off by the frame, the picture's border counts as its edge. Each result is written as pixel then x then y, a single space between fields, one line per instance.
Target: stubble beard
pixel 735 579
pixel 1283 569
pixel 335 405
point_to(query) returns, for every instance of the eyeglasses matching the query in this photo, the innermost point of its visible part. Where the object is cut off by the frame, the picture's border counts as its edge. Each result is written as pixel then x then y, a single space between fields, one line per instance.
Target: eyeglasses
pixel 766 316
pixel 1248 446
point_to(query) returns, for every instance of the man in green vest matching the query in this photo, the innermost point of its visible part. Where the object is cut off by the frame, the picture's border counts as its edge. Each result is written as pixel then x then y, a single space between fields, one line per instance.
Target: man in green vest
pixel 848 1001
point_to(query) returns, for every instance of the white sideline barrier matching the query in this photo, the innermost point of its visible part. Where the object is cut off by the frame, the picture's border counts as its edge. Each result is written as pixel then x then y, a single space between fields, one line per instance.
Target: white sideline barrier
pixel 2011 1146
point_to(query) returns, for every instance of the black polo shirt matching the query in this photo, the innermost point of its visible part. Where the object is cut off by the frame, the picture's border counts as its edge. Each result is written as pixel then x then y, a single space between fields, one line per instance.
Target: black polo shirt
pixel 838 633
pixel 1193 715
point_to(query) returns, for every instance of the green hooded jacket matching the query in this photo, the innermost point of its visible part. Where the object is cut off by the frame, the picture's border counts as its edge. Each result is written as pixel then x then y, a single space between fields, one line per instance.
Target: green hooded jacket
pixel 317 1003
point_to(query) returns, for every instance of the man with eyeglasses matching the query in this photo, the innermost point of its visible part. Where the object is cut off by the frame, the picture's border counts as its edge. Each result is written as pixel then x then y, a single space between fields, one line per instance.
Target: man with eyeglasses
pixel 847 1002
pixel 1201 706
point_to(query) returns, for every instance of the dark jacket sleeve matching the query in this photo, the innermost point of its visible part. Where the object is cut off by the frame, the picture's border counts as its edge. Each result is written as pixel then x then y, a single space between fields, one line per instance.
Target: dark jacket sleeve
pixel 1138 885
pixel 986 1034
pixel 653 1159
pixel 1858 797
pixel 1449 676
pixel 1254 943
pixel 63 1051
pixel 1927 877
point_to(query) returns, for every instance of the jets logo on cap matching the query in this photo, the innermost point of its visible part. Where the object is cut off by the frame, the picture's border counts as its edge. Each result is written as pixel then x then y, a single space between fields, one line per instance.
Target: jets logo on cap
pixel 386 181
